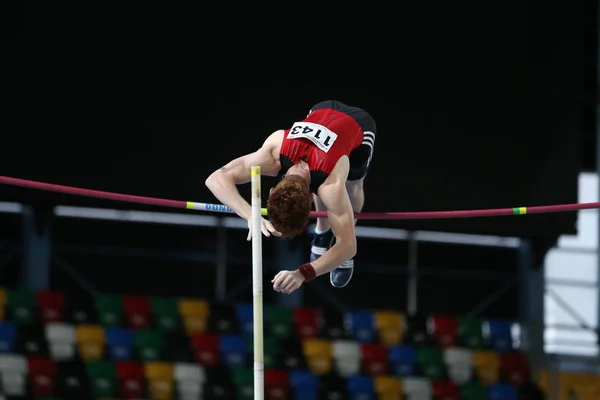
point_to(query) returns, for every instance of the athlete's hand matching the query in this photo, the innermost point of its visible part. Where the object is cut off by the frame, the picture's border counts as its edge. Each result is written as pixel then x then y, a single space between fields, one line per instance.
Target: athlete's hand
pixel 287 281
pixel 266 228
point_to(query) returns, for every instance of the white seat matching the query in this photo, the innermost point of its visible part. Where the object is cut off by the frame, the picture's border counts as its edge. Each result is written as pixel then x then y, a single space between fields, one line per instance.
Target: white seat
pixel 457 355
pixel 347 368
pixel 189 372
pixel 13 364
pixel 460 373
pixel 346 350
pixel 60 332
pixel 415 386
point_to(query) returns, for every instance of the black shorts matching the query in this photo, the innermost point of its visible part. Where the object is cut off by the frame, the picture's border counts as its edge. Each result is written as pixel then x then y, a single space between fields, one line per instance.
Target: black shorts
pixel 361 157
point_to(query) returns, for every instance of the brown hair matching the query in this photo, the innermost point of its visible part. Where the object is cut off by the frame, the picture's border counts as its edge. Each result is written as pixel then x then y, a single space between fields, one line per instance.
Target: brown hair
pixel 289 205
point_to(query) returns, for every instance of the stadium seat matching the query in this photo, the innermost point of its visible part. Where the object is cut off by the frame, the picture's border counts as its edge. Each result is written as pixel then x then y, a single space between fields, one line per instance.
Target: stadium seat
pixel 514 368
pixel 189 380
pixel 51 306
pixel 347 356
pixel 388 387
pixel 445 390
pixel 194 315
pixel 332 387
pixel 61 339
pixel 103 379
pixel 278 321
pixel 244 383
pixel 470 332
pixel 222 319
pixel 3 302
pixel 375 358
pixel 130 380
pixel 417 388
pixel 245 317
pixel 14 369
pixel 487 366
pixel 403 360
pixel 90 342
pixel 110 309
pixel 362 326
pixel 417 331
pixel 459 363
pixel 502 392
pixel 499 335
pixel 319 356
pixel 8 337
pixel 81 309
pixel 137 312
pixel 390 327
pixel 176 347
pixel 431 361
pixel 333 327
pixel 119 343
pixel 277 384
pixel 206 348
pixel 161 380
pixel 42 376
pixel 72 382
pixel 306 322
pixel 304 385
pixel 290 354
pixel 445 330
pixel 31 342
pixel 473 390
pixel 361 387
pixel 233 351
pixel 21 306
pixel 165 313
pixel 148 344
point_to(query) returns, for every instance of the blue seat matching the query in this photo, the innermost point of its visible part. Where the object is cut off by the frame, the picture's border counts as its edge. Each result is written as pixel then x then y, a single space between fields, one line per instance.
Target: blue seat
pixel 304 384
pixel 500 335
pixel 361 387
pixel 119 343
pixel 233 350
pixel 8 336
pixel 502 392
pixel 362 326
pixel 245 315
pixel 403 360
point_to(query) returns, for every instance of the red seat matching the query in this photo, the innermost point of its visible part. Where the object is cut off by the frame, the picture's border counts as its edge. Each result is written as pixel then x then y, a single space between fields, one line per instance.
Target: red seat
pixel 137 311
pixel 206 348
pixel 277 384
pixel 306 322
pixel 375 358
pixel 445 390
pixel 514 367
pixel 445 330
pixel 42 372
pixel 130 377
pixel 52 306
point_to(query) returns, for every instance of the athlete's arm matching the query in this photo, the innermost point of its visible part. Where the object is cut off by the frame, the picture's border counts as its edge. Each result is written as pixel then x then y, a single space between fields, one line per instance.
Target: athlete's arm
pixel 222 183
pixel 334 195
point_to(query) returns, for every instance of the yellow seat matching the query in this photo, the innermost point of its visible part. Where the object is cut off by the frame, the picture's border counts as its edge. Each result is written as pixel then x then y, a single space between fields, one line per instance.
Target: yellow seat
pixel 3 301
pixel 390 325
pixel 388 387
pixel 161 380
pixel 194 315
pixel 90 341
pixel 319 355
pixel 487 366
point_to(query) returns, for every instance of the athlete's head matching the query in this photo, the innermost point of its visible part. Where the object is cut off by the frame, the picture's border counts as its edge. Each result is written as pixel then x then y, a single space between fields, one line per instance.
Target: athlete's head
pixel 289 205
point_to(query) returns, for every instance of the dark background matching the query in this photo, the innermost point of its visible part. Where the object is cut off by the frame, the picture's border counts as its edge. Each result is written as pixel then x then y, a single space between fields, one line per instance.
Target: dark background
pixel 476 106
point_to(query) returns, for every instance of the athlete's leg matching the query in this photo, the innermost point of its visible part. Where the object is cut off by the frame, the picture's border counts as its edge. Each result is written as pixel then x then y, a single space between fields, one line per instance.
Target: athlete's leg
pixel 357 194
pixel 322 223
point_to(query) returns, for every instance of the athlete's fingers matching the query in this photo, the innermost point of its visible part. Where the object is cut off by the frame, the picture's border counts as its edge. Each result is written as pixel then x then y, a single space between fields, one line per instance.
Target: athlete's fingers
pixel 249 238
pixel 272 229
pixel 265 231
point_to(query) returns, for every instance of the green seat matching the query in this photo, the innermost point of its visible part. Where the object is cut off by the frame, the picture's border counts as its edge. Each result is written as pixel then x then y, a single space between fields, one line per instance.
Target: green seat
pixel 243 380
pixel 269 350
pixel 103 379
pixel 22 306
pixel 278 322
pixel 110 309
pixel 473 391
pixel 149 345
pixel 470 332
pixel 431 360
pixel 166 313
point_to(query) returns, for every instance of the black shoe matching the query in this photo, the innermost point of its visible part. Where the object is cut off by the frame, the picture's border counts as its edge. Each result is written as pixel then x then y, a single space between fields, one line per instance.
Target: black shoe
pixel 322 242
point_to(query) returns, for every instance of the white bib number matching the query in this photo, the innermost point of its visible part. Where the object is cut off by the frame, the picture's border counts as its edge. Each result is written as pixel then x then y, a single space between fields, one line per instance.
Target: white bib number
pixel 322 137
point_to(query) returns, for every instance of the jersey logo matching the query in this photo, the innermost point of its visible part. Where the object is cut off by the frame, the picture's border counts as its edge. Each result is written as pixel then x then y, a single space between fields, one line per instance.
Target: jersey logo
pixel 322 137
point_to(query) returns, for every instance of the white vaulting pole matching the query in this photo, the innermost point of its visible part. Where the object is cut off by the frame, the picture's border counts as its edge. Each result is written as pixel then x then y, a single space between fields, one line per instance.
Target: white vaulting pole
pixel 257 286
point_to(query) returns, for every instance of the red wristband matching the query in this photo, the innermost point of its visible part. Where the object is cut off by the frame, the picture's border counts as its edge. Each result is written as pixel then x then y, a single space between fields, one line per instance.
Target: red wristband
pixel 308 272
